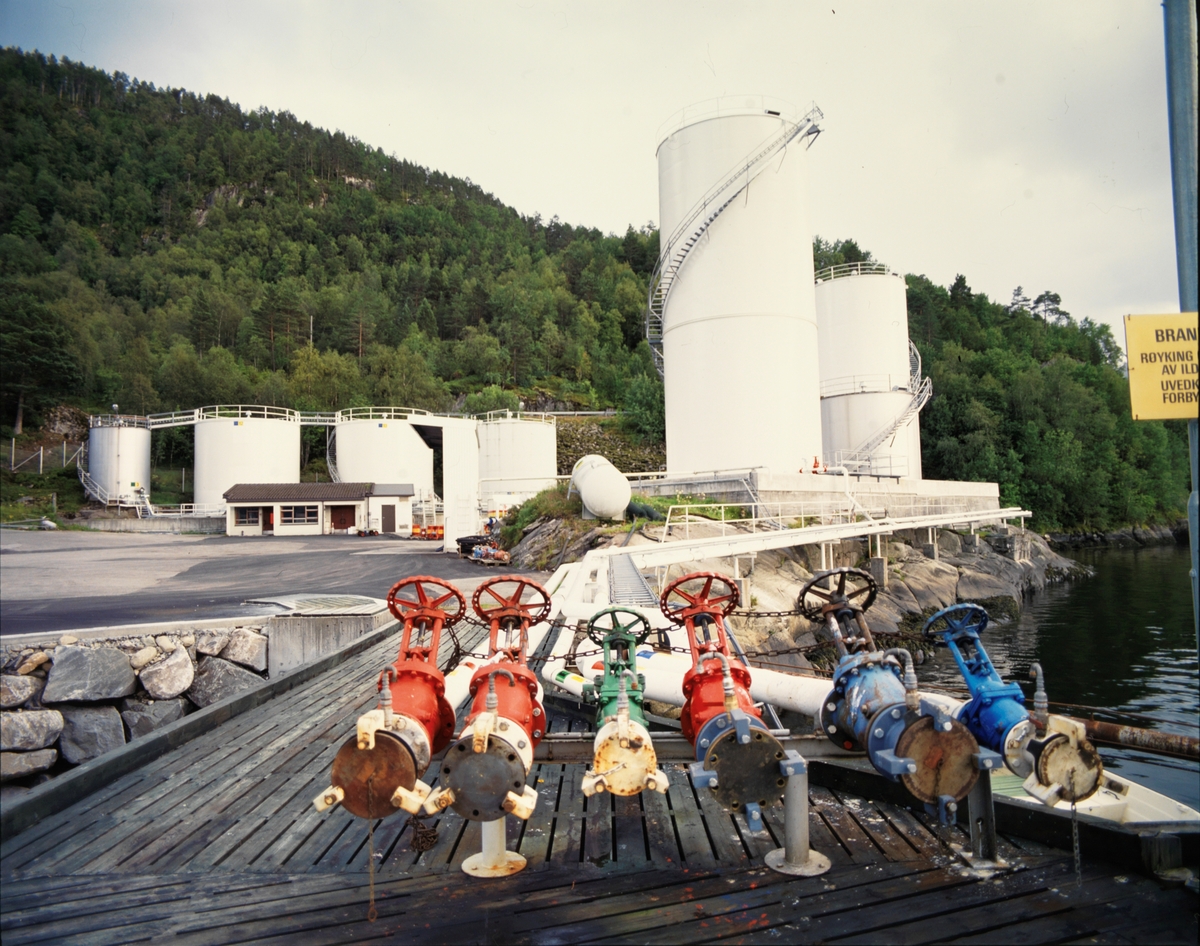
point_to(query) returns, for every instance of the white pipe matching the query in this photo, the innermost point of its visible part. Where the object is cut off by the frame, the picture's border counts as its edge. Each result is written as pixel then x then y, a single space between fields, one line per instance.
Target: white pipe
pixel 458 680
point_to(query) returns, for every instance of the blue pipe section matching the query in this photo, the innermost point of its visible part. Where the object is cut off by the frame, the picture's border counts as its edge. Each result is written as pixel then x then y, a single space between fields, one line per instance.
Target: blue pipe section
pixel 866 709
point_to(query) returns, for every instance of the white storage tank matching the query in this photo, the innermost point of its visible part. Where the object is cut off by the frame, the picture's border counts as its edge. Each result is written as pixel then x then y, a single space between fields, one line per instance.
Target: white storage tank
pixel 603 488
pixel 379 445
pixel 740 325
pixel 868 378
pixel 244 444
pixel 518 456
pixel 119 456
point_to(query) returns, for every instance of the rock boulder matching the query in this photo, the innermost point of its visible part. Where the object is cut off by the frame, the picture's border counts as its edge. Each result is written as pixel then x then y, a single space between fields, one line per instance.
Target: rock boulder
pixel 217 679
pixel 20 764
pixel 143 718
pixel 977 586
pixel 85 675
pixel 933 584
pixel 211 643
pixel 16 690
pixel 247 648
pixel 90 731
pixel 169 678
pixel 34 729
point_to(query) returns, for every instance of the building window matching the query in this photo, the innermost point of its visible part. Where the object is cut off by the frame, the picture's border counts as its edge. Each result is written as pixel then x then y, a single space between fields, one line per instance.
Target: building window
pixel 246 515
pixel 298 515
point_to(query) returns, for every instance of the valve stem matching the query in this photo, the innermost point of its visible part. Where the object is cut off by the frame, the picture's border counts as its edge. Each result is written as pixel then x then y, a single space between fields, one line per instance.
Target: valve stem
pixel 1041 702
pixel 912 699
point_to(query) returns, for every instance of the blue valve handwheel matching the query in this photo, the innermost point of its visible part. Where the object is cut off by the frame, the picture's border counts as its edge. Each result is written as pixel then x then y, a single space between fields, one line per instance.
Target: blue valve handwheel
pixel 959 619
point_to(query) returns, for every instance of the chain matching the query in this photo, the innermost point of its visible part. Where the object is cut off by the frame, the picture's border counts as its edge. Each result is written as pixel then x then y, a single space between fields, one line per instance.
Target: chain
pixel 423 837
pixel 372 913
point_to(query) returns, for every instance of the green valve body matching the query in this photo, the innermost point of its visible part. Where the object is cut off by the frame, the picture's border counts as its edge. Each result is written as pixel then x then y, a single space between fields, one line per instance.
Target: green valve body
pixel 620 664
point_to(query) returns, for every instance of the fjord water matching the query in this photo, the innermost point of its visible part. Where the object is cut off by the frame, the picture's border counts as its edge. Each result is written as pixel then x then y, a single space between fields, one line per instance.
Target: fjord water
pixel 1124 640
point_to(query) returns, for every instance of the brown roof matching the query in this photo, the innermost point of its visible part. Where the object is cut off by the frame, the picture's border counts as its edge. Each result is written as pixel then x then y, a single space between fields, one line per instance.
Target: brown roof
pixel 313 492
pixel 296 492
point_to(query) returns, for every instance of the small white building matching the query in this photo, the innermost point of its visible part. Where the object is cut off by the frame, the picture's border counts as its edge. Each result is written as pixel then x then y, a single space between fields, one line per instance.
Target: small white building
pixel 318 508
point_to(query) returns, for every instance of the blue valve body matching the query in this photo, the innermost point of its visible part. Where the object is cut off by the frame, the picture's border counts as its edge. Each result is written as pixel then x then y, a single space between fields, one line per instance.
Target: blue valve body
pixel 995 706
pixel 869 713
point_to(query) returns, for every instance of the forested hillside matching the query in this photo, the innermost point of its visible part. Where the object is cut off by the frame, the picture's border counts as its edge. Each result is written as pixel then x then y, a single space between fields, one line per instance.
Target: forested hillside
pixel 161 249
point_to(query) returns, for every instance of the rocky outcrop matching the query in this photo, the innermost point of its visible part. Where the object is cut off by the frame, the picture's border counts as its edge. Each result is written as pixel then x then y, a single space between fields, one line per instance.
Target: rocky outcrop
pixel 17 690
pixel 1130 538
pixel 90 731
pixel 579 436
pixel 83 674
pixel 247 648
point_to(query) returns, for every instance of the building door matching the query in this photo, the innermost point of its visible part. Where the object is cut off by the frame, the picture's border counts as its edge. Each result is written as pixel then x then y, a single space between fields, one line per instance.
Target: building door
pixel 341 517
pixel 389 518
pixel 267 517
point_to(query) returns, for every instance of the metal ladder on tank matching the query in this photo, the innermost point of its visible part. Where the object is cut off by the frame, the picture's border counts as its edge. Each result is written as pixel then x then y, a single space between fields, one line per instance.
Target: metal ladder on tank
pixel 697 221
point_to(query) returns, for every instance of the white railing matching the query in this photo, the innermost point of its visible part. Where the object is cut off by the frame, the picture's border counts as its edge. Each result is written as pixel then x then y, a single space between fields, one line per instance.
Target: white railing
pixel 117 420
pixel 317 418
pixel 380 413
pixel 865 384
pixel 722 106
pixel 853 269
pixel 261 411
pixel 200 510
pixel 92 488
pixel 543 417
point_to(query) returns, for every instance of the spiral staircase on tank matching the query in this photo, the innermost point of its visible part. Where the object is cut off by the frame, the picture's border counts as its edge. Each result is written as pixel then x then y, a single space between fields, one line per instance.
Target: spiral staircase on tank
pixel 862 459
pixel 696 222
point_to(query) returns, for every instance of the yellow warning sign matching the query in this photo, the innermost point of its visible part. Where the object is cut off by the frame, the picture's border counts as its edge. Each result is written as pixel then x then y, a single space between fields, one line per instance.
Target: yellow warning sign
pixel 1162 351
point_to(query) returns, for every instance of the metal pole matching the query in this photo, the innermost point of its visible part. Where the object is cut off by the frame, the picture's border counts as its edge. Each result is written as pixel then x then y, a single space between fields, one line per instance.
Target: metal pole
pixel 796 857
pixel 1179 29
pixel 41 457
pixel 981 813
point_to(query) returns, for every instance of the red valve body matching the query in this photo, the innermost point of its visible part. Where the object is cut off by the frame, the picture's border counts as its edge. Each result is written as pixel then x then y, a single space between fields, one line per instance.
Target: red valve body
pixel 418 691
pixel 704 695
pixel 518 703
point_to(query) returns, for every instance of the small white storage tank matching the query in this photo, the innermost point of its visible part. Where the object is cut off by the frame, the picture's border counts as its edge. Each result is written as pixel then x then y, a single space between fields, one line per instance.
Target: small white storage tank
pixel 119 455
pixel 739 327
pixel 379 445
pixel 867 373
pixel 603 488
pixel 244 444
pixel 518 455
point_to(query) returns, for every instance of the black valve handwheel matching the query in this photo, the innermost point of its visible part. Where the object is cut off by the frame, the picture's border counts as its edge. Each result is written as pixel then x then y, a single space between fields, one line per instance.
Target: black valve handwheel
pixel 424 593
pixel 678 604
pixel 957 619
pixel 510 596
pixel 857 599
pixel 619 619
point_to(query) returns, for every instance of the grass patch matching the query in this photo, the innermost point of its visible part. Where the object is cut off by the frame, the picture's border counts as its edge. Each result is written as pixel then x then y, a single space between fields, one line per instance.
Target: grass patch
pixel 550 503
pixel 33 495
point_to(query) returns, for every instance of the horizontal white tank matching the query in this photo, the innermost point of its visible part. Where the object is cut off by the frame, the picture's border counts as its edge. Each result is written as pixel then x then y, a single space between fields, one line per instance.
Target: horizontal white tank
pixel 518 454
pixel 119 456
pixel 603 488
pixel 244 444
pixel 866 384
pixel 379 445
pixel 740 326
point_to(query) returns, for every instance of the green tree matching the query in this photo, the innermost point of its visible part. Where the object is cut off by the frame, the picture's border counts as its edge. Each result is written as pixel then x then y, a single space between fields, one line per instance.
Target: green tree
pixel 38 365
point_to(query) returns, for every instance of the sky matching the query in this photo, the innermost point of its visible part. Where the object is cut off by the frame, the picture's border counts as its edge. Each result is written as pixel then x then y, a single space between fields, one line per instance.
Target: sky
pixel 1017 143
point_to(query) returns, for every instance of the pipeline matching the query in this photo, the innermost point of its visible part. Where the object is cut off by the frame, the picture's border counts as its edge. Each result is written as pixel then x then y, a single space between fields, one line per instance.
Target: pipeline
pixel 1166 743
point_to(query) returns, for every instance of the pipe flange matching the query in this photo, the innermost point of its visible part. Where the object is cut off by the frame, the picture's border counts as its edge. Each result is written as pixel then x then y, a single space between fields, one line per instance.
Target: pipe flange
pixel 369 777
pixel 481 781
pixel 747 772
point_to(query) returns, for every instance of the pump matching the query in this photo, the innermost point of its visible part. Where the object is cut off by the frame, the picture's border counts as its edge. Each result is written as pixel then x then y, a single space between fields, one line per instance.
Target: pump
pixel 624 761
pixel 483 775
pixel 379 769
pixel 1051 753
pixel 736 754
pixel 874 705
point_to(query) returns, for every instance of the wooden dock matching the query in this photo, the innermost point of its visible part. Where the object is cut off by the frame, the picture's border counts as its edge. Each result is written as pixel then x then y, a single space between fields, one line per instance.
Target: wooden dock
pixel 218 842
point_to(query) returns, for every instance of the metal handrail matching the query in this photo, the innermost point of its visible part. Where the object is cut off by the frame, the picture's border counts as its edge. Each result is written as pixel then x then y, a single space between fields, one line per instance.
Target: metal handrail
pixel 854 269
pixel 118 420
pixel 380 413
pixel 865 384
pixel 710 206
pixel 541 417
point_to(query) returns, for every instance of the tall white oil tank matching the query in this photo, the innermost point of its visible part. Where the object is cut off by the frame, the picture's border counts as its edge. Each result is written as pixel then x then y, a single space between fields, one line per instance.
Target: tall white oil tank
pixel 518 455
pixel 119 456
pixel 379 445
pixel 867 376
pixel 739 325
pixel 244 444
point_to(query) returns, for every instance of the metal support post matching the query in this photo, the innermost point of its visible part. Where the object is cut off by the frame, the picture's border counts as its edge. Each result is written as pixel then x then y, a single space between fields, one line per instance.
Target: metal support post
pixel 982 813
pixel 796 857
pixel 494 860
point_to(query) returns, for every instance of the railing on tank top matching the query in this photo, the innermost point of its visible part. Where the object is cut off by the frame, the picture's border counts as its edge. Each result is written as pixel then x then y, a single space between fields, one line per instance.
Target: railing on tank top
pixel 853 269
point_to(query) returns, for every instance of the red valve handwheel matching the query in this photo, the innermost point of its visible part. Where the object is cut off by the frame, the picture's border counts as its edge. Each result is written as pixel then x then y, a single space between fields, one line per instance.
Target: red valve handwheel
pixel 411 596
pixel 698 602
pixel 492 602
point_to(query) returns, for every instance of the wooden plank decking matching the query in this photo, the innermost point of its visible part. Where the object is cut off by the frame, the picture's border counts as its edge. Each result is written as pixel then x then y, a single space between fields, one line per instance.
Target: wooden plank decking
pixel 218 842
